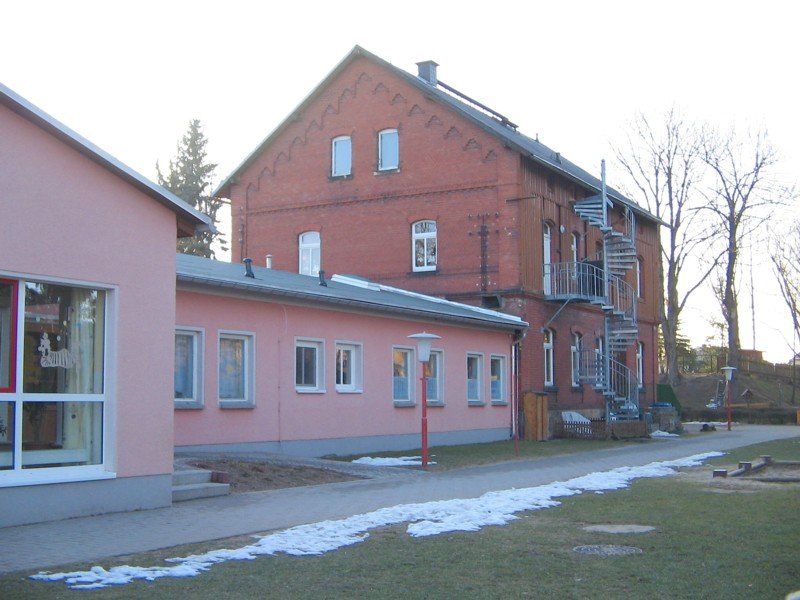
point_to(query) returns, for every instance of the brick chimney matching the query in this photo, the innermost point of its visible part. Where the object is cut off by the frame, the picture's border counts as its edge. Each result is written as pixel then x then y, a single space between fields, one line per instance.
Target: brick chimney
pixel 426 70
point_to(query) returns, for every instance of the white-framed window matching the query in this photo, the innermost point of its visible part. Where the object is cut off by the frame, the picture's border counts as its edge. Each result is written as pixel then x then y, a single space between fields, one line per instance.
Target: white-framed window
pixel 639 277
pixel 434 378
pixel 423 246
pixel 53 344
pixel 599 361
pixel 574 244
pixel 576 353
pixel 640 363
pixel 388 150
pixel 497 372
pixel 349 367
pixel 547 275
pixel 474 379
pixel 309 365
pixel 548 343
pixel 188 368
pixel 310 244
pixel 402 375
pixel 341 156
pixel 236 377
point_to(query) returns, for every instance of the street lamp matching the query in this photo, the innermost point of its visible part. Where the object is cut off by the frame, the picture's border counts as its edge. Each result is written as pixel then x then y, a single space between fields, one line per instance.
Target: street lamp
pixel 424 341
pixel 728 378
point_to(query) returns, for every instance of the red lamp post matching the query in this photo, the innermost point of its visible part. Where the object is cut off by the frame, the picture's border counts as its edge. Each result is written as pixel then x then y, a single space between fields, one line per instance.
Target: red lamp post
pixel 424 341
pixel 728 378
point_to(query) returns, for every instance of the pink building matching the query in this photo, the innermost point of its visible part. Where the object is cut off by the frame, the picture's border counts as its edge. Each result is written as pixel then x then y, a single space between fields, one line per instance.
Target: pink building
pixel 91 353
pixel 86 324
pixel 290 363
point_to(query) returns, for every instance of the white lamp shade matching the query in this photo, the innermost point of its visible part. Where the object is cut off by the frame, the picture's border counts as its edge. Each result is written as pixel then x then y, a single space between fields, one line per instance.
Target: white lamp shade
pixel 728 372
pixel 424 341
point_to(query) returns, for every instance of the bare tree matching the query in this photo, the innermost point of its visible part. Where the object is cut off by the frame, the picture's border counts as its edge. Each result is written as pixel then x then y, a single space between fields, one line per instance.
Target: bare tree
pixel 785 255
pixel 664 161
pixel 744 188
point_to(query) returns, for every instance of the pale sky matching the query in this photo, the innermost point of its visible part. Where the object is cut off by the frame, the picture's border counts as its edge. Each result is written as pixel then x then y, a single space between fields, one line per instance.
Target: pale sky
pixel 130 75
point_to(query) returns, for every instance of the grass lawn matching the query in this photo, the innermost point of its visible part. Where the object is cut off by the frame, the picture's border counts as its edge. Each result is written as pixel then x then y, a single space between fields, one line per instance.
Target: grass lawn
pixel 712 539
pixel 457 457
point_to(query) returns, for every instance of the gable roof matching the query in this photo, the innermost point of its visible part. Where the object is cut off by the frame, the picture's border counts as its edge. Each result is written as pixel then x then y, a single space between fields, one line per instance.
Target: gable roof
pixel 342 292
pixel 190 220
pixel 491 123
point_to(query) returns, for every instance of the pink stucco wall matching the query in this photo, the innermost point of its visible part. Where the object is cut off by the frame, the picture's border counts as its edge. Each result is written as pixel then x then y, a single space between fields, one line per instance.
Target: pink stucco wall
pixel 283 414
pixel 63 216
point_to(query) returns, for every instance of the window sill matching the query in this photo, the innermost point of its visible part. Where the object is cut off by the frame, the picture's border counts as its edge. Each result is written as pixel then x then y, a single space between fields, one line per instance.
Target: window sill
pixel 226 404
pixel 54 475
pixel 435 404
pixel 404 404
pixel 309 390
pixel 349 391
pixel 421 271
pixel 340 177
pixel 188 405
pixel 499 402
pixel 476 403
pixel 386 171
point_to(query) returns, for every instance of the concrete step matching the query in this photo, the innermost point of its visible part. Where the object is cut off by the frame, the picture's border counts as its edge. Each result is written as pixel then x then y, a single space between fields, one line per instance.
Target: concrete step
pixel 188 476
pixel 193 491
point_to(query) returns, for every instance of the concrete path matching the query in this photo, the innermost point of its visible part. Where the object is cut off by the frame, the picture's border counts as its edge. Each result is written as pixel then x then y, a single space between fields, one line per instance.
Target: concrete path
pixel 88 539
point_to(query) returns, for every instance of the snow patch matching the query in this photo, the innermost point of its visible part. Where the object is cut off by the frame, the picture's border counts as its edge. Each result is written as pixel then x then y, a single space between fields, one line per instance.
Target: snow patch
pixel 400 461
pixel 427 518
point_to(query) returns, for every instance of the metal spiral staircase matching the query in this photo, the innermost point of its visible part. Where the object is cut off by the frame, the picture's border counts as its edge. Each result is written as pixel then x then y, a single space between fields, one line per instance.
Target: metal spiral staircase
pixel 602 283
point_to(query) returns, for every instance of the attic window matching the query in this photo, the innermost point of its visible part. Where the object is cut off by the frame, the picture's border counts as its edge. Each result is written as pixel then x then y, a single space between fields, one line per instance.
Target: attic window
pixel 388 150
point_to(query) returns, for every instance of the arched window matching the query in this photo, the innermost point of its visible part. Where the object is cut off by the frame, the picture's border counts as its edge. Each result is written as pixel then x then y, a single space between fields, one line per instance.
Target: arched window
pixel 423 246
pixel 546 258
pixel 310 254
pixel 576 349
pixel 388 150
pixel 548 346
pixel 341 156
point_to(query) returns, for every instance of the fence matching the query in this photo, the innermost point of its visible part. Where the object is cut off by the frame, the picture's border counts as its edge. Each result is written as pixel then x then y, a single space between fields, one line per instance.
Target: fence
pixel 713 363
pixel 598 429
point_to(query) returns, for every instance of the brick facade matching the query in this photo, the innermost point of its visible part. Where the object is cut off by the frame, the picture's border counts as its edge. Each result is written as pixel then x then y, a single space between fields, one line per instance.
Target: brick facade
pixel 489 203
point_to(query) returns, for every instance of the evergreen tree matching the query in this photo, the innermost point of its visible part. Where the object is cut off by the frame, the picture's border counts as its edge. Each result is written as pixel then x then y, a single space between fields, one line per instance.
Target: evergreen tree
pixel 189 178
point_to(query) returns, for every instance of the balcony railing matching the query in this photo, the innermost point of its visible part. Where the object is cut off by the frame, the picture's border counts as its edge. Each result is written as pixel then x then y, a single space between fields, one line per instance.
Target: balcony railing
pixel 574 281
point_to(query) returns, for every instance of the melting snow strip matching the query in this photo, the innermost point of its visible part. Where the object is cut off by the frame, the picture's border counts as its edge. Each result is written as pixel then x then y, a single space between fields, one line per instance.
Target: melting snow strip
pixel 425 519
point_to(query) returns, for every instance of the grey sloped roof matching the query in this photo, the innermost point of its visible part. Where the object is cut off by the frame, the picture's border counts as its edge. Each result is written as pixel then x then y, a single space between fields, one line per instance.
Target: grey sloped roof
pixel 523 144
pixel 196 220
pixel 341 292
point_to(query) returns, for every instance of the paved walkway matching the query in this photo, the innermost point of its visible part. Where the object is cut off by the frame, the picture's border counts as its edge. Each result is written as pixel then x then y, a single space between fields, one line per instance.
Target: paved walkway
pixel 88 539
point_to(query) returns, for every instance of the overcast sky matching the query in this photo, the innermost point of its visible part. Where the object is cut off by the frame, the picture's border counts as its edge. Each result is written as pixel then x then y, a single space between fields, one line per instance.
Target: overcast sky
pixel 130 75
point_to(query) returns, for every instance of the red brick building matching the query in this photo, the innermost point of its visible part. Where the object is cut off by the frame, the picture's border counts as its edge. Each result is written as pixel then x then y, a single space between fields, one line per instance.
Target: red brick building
pixel 401 179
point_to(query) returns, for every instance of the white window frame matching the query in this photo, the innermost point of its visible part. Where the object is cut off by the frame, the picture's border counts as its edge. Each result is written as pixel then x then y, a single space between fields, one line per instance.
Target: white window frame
pixel 338 170
pixel 502 359
pixel 475 400
pixel 640 364
pixel 437 382
pixel 198 343
pixel 17 476
pixel 318 345
pixel 576 350
pixel 411 376
pixel 639 277
pixel 248 364
pixel 382 166
pixel 356 385
pixel 312 249
pixel 424 237
pixel 548 355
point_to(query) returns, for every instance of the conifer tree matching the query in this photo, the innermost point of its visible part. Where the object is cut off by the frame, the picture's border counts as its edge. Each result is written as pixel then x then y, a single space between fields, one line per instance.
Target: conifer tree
pixel 189 178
